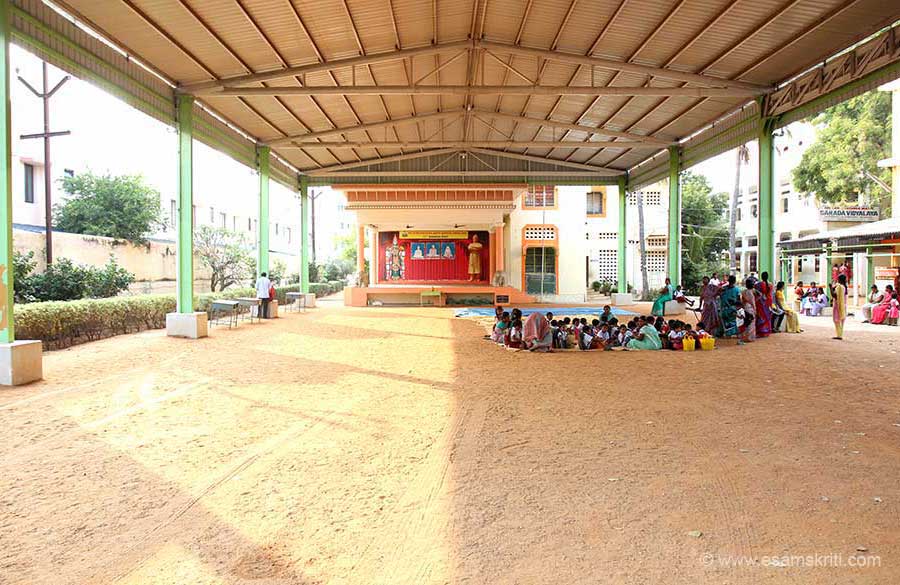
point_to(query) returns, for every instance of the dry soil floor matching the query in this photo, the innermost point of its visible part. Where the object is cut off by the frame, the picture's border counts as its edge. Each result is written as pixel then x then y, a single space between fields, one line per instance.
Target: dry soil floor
pixel 396 446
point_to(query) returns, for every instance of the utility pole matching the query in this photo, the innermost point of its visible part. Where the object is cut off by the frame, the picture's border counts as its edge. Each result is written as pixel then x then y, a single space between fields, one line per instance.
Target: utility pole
pixel 46 135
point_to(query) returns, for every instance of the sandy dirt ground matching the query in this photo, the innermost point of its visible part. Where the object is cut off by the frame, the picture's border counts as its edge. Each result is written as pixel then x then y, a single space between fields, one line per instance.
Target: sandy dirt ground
pixel 394 446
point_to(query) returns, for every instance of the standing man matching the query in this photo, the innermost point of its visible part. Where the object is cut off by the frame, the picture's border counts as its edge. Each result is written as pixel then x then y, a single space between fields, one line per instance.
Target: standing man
pixel 263 284
pixel 839 305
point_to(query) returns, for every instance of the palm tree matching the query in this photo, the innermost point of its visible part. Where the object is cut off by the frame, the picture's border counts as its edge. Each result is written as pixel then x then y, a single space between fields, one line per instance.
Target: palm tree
pixel 645 281
pixel 742 158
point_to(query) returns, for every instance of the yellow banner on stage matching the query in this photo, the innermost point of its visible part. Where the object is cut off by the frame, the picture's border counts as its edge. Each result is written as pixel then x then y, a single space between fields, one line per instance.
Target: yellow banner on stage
pixel 434 235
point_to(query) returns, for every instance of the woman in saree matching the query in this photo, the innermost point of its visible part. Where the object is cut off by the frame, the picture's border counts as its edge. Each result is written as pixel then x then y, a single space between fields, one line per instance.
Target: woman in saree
pixel 647 336
pixel 875 298
pixel 790 317
pixel 748 303
pixel 729 303
pixel 880 312
pixel 667 294
pixel 709 312
pixel 537 335
pixel 839 306
pixel 763 304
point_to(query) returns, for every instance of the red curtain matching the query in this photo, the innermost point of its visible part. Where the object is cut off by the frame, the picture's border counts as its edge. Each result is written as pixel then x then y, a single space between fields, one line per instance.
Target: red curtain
pixel 437 269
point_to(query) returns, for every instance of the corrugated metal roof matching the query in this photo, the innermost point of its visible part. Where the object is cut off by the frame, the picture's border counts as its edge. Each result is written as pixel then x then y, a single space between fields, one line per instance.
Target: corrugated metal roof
pixel 192 41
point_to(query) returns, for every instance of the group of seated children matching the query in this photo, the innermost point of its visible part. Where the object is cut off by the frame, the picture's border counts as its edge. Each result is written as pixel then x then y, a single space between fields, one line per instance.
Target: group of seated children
pixel 604 333
pixel 812 299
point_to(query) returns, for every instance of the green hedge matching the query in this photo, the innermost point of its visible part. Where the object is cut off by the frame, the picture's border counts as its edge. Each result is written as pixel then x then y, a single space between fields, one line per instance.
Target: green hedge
pixel 64 323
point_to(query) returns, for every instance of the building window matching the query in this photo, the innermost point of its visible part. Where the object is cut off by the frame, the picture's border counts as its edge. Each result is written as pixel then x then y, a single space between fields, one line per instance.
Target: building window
pixel 255 226
pixel 288 235
pixel 754 210
pixel 540 233
pixel 751 261
pixel 785 205
pixel 784 236
pixel 173 212
pixel 212 216
pixel 540 197
pixel 818 264
pixel 596 202
pixel 276 229
pixel 234 224
pixel 224 218
pixel 540 270
pixel 657 241
pixel 607 265
pixel 249 224
pixel 29 183
pixel 656 261
pixel 752 241
pixel 738 214
pixel 649 197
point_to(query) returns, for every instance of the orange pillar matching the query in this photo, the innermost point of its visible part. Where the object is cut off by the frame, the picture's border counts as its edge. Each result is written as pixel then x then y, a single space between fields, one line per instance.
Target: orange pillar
pixel 492 255
pixel 498 239
pixel 361 249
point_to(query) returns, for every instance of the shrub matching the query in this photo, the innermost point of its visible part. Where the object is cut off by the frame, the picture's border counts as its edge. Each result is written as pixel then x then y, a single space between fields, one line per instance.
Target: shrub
pixel 320 289
pixel 596 286
pixel 63 323
pixel 23 266
pixel 66 281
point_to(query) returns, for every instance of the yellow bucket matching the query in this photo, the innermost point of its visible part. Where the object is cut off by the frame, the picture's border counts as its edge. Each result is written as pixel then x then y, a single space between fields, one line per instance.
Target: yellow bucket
pixel 688 344
pixel 707 343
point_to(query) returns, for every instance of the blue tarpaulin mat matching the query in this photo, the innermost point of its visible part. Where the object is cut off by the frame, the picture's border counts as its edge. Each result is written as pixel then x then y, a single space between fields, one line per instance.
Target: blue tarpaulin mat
pixel 561 311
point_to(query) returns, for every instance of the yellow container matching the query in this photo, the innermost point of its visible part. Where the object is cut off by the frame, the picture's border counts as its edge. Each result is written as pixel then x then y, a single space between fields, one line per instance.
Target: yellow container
pixel 688 344
pixel 707 343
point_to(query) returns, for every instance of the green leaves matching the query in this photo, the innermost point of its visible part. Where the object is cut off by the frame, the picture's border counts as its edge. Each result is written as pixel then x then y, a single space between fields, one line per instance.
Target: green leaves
pixel 121 207
pixel 704 235
pixel 226 254
pixel 66 281
pixel 853 136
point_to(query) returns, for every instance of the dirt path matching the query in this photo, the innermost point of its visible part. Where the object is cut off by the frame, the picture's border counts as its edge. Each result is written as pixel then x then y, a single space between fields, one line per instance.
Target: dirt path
pixel 396 446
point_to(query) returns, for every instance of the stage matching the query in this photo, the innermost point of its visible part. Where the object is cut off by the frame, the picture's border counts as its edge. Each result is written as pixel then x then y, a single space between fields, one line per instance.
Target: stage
pixel 438 294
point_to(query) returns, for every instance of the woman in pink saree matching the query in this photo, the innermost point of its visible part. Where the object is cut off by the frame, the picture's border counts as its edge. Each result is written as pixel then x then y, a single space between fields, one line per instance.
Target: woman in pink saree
pixel 763 304
pixel 537 335
pixel 880 311
pixel 709 311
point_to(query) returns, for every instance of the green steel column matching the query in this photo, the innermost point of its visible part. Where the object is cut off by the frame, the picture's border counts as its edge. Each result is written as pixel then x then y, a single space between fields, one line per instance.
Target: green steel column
pixel 765 143
pixel 7 333
pixel 870 269
pixel 622 274
pixel 674 241
pixel 185 226
pixel 262 242
pixel 304 233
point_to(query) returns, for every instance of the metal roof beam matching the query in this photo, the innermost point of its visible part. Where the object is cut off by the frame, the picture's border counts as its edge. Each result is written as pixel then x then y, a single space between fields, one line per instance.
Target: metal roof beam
pixel 362 127
pixel 207 87
pixel 625 67
pixel 550 161
pixel 384 159
pixel 526 90
pixel 462 144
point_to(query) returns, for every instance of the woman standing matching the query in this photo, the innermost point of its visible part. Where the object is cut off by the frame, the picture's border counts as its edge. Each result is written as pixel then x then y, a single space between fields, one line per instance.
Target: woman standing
pixel 790 317
pixel 729 303
pixel 839 307
pixel 709 312
pixel 667 294
pixel 763 304
pixel 748 304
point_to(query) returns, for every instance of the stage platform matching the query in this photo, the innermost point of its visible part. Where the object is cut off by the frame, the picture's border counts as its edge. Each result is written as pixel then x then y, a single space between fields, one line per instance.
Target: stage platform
pixel 438 295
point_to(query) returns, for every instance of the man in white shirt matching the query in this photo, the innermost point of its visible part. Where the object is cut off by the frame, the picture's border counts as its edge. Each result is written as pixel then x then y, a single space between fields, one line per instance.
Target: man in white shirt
pixel 263 284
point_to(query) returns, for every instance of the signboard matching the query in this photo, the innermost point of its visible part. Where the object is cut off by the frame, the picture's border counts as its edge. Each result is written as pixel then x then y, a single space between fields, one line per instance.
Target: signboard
pixel 885 272
pixel 434 235
pixel 501 299
pixel 848 214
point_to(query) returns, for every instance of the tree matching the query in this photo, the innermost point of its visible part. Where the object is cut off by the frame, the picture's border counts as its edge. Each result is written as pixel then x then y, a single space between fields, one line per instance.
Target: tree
pixel 703 229
pixel 742 157
pixel 226 254
pixel 122 207
pixel 645 280
pixel 842 164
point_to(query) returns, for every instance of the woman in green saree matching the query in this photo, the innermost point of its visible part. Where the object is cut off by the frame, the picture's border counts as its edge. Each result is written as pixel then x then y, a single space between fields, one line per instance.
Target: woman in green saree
pixel 659 305
pixel 729 303
pixel 647 336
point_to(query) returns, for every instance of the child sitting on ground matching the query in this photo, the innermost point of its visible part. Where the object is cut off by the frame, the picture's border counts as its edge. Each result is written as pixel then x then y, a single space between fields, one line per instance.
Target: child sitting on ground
pixel 501 328
pixel 514 339
pixel 700 333
pixel 676 336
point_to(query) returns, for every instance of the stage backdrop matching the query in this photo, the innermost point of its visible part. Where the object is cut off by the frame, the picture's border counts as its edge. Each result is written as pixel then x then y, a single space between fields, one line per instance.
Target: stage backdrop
pixel 430 256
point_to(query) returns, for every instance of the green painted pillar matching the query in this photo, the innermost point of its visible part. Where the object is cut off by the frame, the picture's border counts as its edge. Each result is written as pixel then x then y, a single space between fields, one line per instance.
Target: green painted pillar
pixel 766 145
pixel 304 233
pixel 870 268
pixel 674 241
pixel 7 329
pixel 262 241
pixel 622 284
pixel 185 224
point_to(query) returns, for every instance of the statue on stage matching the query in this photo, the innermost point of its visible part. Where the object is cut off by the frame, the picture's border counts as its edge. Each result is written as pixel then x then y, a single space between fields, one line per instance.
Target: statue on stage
pixel 395 261
pixel 474 249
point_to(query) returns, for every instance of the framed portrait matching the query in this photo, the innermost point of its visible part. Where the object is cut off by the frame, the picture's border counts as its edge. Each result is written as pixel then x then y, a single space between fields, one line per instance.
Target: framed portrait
pixel 448 250
pixel 417 250
pixel 432 250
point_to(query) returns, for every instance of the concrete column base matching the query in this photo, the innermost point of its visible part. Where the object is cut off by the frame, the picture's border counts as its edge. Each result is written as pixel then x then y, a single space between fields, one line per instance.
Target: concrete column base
pixel 674 308
pixel 310 300
pixel 21 362
pixel 273 310
pixel 621 299
pixel 190 325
